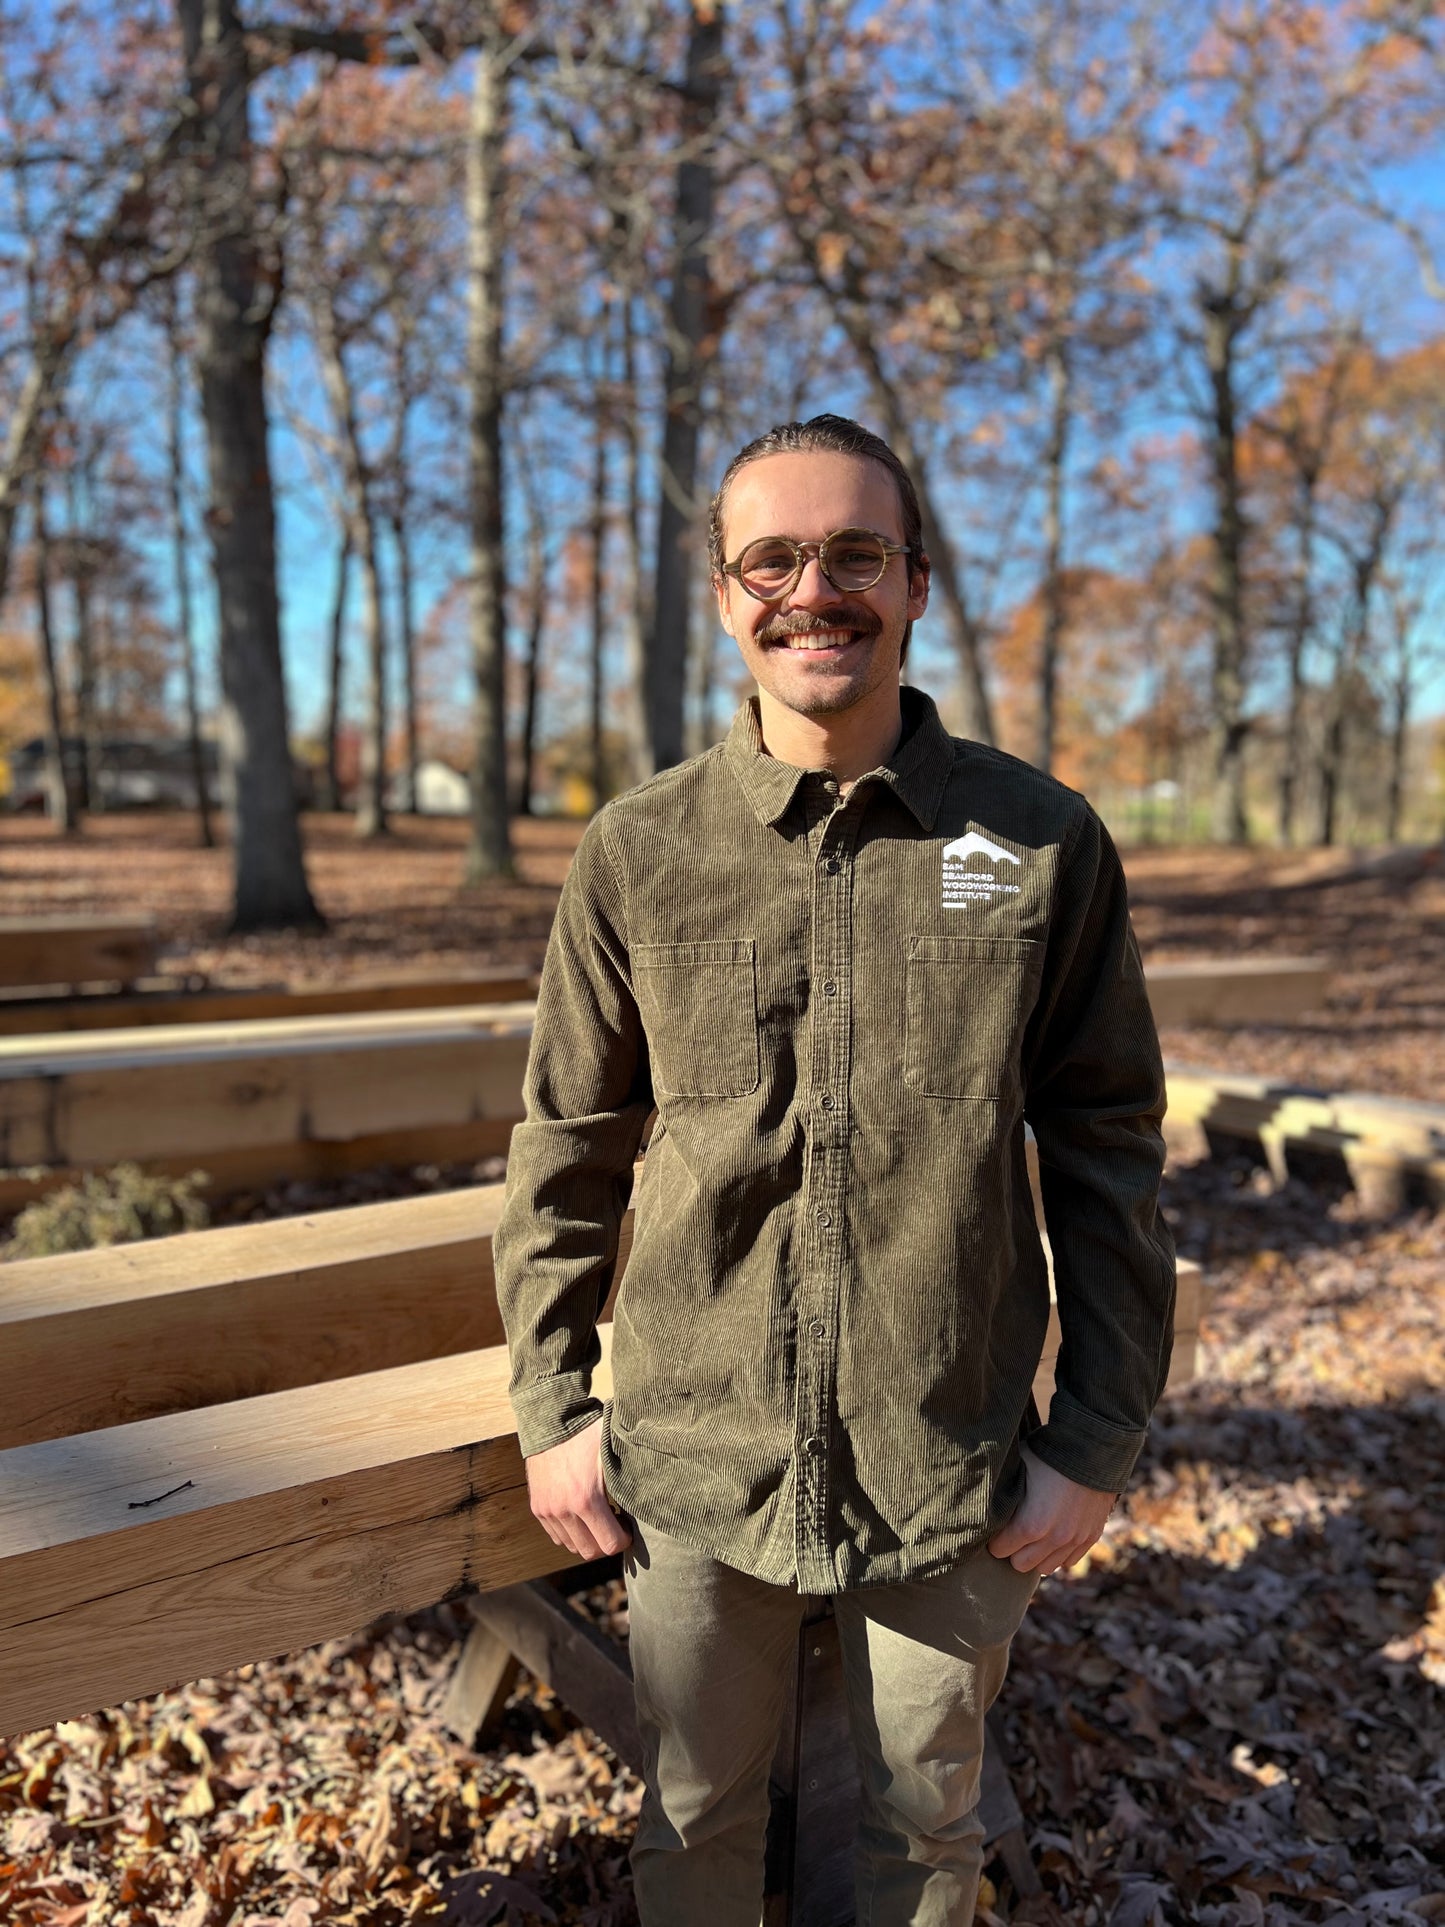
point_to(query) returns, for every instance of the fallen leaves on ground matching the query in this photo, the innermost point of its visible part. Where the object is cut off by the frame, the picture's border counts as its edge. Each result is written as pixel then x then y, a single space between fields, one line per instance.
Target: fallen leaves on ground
pixel 1233 1714
pixel 316 1788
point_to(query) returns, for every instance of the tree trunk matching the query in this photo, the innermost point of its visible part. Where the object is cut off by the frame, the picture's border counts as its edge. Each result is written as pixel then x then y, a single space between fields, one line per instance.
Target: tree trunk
pixel 406 636
pixel 80 560
pixel 22 441
pixel 361 523
pixel 598 627
pixel 489 852
pixel 1054 610
pixel 177 478
pixel 639 619
pixel 1301 625
pixel 1365 566
pixel 1399 738
pixel 1228 725
pixel 403 324
pixel 234 313
pixel 688 355
pixel 536 623
pixel 336 669
pixel 57 782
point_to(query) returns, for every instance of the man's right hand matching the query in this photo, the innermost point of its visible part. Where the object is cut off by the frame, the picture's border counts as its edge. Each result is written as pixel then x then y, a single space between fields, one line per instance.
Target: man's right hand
pixel 570 1500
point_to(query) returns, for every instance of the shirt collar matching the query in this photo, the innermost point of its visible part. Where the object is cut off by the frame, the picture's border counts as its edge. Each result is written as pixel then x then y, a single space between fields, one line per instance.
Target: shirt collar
pixel 917 771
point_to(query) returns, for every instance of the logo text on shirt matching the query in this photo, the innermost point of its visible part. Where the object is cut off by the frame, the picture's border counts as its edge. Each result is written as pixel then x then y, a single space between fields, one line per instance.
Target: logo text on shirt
pixel 962 885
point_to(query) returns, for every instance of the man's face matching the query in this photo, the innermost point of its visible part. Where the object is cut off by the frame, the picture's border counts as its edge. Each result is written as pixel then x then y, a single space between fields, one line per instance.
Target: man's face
pixel 818 650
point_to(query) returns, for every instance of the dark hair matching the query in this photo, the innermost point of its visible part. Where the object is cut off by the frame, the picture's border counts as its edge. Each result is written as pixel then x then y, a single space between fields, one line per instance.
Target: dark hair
pixel 824 434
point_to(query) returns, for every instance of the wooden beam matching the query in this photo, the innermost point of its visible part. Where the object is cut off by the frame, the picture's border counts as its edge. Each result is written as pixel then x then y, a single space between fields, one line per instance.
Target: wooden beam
pixel 102 1338
pixel 212 1089
pixel 135 1558
pixel 311 1161
pixel 76 950
pixel 106 1337
pixel 1391 1149
pixel 165 1004
pixel 1236 990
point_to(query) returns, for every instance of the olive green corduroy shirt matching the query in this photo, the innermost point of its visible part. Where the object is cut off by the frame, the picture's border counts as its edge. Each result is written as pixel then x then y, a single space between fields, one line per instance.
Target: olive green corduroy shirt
pixel 843 1010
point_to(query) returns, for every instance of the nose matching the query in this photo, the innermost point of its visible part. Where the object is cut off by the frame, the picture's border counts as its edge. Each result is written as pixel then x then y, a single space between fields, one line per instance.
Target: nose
pixel 812 589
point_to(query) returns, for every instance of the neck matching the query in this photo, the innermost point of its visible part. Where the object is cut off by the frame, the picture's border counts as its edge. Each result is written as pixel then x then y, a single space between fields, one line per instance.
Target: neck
pixel 848 744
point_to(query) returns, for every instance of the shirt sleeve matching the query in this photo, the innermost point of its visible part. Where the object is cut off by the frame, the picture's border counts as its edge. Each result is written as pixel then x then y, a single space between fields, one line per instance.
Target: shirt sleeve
pixel 587 1096
pixel 1095 1101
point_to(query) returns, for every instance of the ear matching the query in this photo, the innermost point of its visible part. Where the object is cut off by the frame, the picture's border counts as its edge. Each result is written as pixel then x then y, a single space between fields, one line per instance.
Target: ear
pixel 918 579
pixel 724 611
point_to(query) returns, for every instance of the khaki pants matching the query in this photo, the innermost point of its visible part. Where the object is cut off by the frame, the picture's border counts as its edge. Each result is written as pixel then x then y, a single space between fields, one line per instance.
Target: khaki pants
pixel 712 1655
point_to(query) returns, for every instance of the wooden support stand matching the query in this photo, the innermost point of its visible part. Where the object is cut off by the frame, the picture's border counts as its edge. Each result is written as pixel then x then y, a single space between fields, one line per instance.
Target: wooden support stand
pixel 814 1782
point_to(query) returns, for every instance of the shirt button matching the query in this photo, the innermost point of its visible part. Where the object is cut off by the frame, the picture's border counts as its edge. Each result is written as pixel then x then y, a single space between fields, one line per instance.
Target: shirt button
pixel 815 1447
pixel 823 1218
pixel 830 989
pixel 818 1328
pixel 832 866
pixel 827 1103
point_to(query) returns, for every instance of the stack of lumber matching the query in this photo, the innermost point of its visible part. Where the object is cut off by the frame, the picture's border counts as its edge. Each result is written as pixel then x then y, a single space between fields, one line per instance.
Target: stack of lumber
pixel 1392 1150
pixel 231 1443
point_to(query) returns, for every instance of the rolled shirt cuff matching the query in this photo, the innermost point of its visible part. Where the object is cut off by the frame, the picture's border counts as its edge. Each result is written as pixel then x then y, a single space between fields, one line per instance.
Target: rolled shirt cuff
pixel 552 1409
pixel 1090 1450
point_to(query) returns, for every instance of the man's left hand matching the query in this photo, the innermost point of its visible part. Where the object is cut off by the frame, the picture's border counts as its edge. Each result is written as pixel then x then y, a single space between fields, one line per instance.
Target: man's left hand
pixel 1056 1524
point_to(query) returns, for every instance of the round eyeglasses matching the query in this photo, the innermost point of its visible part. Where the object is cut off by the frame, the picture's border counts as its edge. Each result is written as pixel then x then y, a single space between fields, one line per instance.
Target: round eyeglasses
pixel 851 559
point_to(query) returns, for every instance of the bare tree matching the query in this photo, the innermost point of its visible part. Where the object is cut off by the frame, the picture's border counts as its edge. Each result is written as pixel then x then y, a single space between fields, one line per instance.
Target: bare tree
pixel 1292 106
pixel 840 179
pixel 690 340
pixel 180 551
pixel 1301 429
pixel 489 852
pixel 332 334
pixel 57 782
pixel 235 304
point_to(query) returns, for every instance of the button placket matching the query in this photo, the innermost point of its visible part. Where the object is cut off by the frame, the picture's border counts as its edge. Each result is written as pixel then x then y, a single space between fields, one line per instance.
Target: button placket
pixel 824 1188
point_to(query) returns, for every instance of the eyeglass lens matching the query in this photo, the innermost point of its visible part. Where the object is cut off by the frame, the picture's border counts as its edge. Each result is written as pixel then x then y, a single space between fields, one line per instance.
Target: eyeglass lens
pixel 851 559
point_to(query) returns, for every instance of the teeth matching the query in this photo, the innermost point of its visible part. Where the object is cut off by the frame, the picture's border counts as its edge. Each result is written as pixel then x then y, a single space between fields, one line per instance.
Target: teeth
pixel 820 639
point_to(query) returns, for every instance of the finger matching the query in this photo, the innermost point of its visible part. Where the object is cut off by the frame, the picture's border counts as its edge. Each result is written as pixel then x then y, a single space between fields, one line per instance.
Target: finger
pixel 1034 1557
pixel 1020 1531
pixel 579 1539
pixel 602 1522
pixel 552 1530
pixel 1070 1556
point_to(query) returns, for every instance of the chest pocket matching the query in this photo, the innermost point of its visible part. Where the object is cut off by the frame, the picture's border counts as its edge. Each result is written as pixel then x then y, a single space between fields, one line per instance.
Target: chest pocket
pixel 699 1007
pixel 969 999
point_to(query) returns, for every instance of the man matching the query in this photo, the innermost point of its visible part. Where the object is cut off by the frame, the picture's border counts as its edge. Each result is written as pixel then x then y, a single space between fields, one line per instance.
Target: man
pixel 845 957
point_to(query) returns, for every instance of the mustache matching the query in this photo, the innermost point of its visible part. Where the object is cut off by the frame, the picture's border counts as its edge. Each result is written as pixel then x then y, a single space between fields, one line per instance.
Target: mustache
pixel 805 622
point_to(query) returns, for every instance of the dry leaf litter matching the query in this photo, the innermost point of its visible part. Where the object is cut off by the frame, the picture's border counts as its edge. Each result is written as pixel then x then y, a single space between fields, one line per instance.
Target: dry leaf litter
pixel 1233 1713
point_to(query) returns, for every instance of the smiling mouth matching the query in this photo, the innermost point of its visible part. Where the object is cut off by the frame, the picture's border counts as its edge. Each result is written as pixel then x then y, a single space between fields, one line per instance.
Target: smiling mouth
pixel 815 639
pixel 808 632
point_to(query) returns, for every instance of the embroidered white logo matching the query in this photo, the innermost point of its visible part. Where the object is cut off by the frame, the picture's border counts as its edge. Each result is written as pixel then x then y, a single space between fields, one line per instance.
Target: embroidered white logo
pixel 962 885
